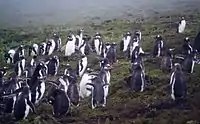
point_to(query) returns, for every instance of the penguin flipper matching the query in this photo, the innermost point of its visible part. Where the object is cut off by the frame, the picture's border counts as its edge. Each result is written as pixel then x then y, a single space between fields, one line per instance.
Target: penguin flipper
pixel 31 105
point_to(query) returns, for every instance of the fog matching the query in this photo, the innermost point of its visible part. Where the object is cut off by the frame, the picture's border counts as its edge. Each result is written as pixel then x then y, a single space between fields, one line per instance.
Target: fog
pixel 19 12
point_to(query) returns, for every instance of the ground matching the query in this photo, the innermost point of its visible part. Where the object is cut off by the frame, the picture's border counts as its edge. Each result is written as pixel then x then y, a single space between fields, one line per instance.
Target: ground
pixel 153 106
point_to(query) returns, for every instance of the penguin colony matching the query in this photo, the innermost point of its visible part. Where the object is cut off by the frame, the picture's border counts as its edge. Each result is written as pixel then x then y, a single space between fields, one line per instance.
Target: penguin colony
pixel 26 87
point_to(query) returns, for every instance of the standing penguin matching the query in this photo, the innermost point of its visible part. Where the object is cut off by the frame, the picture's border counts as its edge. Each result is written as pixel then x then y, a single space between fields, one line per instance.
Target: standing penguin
pixel 50 47
pixel 10 56
pixel 73 91
pixel 53 65
pixel 189 61
pixel 181 25
pixel 70 45
pixel 187 48
pixel 33 50
pixel 196 44
pixel 137 81
pixel 57 41
pixel 82 65
pixel 177 83
pixel 124 44
pixel 60 101
pixel 112 53
pixel 158 47
pixel 20 66
pixel 23 103
pixel 98 92
pixel 42 48
pixel 166 63
pixel 97 43
pixel 79 39
pixel 84 48
pixel 138 34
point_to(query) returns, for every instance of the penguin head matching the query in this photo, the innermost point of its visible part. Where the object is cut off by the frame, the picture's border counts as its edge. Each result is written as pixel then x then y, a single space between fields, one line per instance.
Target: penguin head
pixel 177 67
pixel 187 39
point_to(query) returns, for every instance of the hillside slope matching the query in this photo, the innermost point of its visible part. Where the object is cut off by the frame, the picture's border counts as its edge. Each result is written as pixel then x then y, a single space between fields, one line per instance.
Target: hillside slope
pixel 153 106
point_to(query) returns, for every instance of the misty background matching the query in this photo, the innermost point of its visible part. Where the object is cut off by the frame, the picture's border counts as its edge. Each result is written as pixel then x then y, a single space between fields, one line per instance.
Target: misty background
pixel 23 12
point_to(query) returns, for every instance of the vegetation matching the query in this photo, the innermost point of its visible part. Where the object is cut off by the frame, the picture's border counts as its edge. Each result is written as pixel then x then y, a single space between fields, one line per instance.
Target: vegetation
pixel 153 106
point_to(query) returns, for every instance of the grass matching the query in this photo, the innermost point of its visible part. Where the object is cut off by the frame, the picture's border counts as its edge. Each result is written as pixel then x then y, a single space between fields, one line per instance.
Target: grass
pixel 123 107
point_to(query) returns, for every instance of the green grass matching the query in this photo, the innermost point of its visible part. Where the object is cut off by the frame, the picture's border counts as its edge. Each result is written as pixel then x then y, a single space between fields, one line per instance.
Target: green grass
pixel 123 107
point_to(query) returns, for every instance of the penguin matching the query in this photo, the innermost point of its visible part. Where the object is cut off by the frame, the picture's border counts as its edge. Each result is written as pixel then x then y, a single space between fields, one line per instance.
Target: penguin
pixel 112 53
pixel 58 42
pixel 50 47
pixel 105 75
pixel 70 45
pixel 86 78
pixel 137 51
pixel 53 65
pixel 134 42
pixel 98 92
pixel 138 34
pixel 33 50
pixel 82 65
pixel 79 39
pixel 196 44
pixel 59 100
pixel 9 87
pixel 37 83
pixel 9 56
pixel 97 43
pixel 166 62
pixel 137 82
pixel 158 47
pixel 19 53
pixel 189 62
pixel 73 91
pixel 187 48
pixel 124 44
pixel 42 48
pixel 84 48
pixel 20 66
pixel 181 25
pixel 177 83
pixel 23 103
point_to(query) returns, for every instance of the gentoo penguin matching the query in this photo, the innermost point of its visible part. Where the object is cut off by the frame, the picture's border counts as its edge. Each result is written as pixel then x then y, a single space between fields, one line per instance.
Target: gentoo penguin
pixel 42 48
pixel 181 25
pixel 86 78
pixel 187 48
pixel 124 44
pixel 59 99
pixel 50 47
pixel 158 47
pixel 20 66
pixel 189 61
pixel 53 65
pixel 33 50
pixel 19 53
pixel 137 82
pixel 166 63
pixel 9 56
pixel 70 45
pixel 98 93
pixel 73 91
pixel 97 43
pixel 58 42
pixel 23 103
pixel 79 39
pixel 138 34
pixel 177 83
pixel 196 44
pixel 82 65
pixel 112 53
